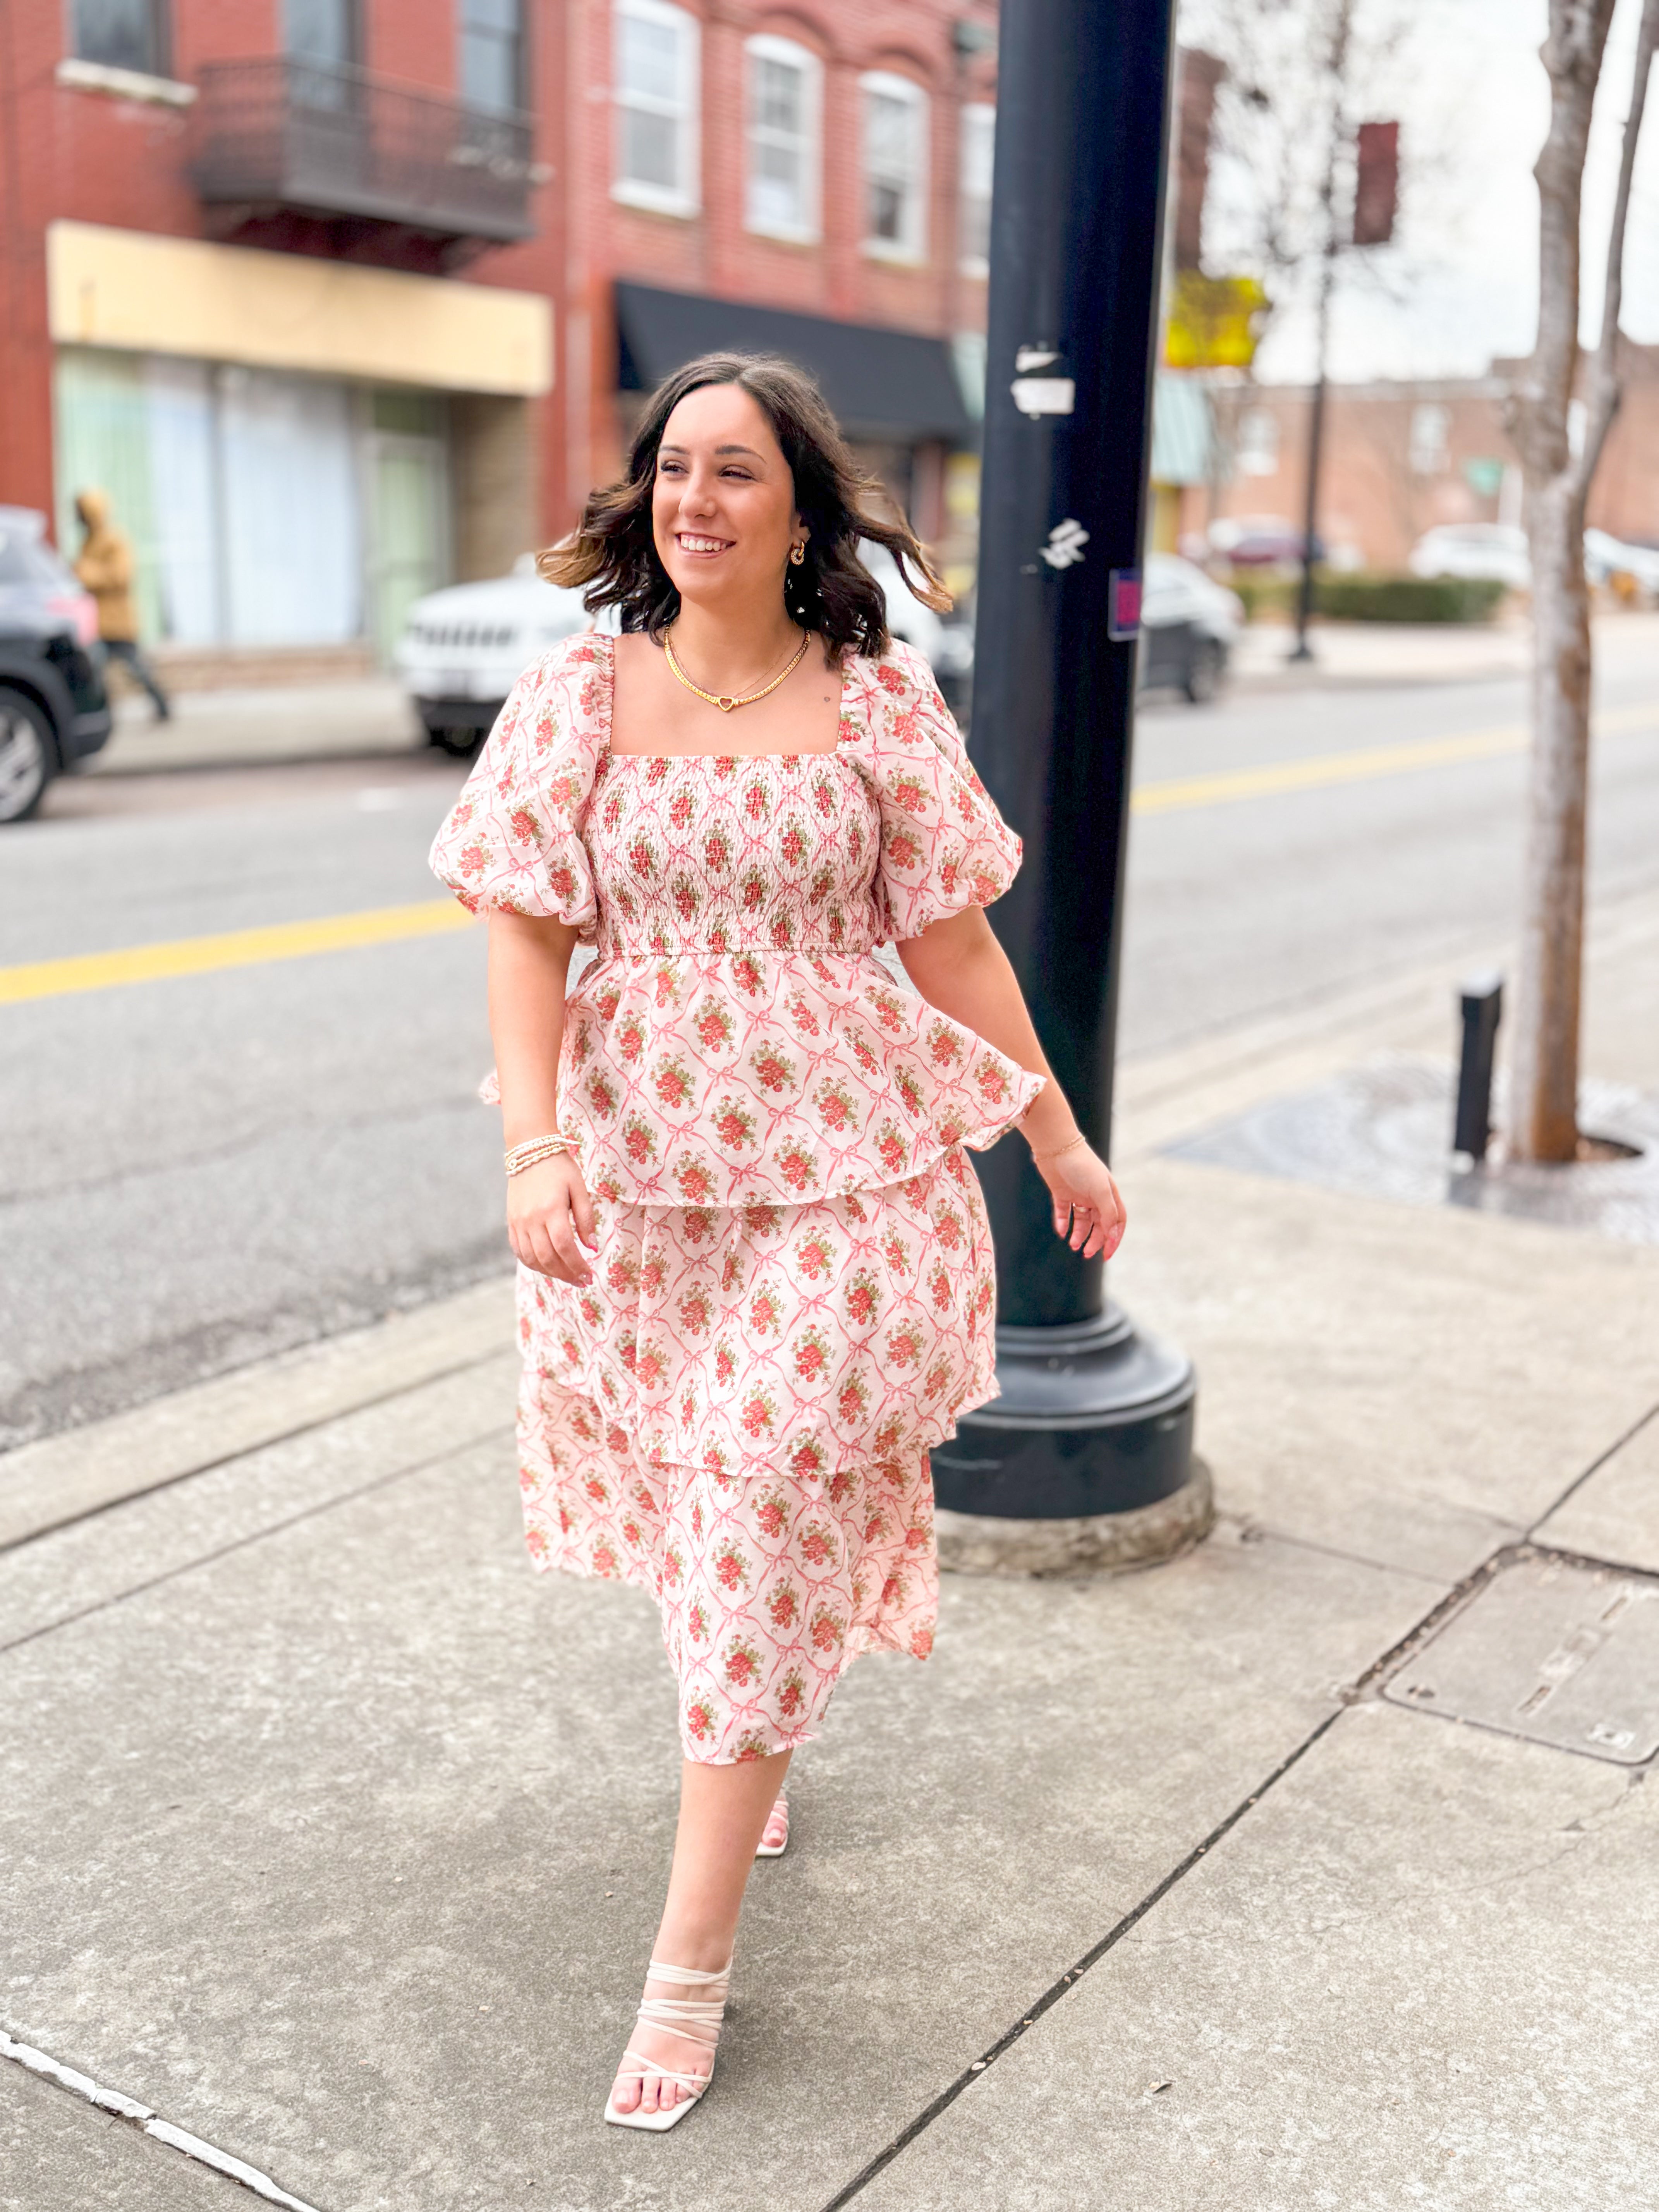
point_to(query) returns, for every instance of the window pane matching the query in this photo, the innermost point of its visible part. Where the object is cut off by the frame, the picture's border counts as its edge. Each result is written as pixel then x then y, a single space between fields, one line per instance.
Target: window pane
pixel 650 149
pixel 489 71
pixel 886 212
pixel 978 130
pixel 650 59
pixel 778 96
pixel 119 33
pixel 887 135
pixel 320 31
pixel 775 198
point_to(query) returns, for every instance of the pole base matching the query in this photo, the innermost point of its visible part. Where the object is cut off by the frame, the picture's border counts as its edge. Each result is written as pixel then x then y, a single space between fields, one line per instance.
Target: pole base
pixel 1094 1418
pixel 1092 1544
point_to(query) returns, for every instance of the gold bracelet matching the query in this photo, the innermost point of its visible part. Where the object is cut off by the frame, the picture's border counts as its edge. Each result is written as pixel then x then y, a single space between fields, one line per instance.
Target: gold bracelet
pixel 1060 1151
pixel 535 1150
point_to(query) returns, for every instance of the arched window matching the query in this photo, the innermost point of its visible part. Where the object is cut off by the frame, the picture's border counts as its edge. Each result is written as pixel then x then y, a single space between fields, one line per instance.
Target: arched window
pixel 656 100
pixel 895 167
pixel 785 103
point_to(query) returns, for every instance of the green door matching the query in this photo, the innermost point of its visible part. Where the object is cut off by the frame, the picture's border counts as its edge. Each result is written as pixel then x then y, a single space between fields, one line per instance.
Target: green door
pixel 410 495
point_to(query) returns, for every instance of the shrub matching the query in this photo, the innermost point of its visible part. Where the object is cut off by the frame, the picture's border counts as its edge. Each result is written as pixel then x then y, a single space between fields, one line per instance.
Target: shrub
pixel 1361 598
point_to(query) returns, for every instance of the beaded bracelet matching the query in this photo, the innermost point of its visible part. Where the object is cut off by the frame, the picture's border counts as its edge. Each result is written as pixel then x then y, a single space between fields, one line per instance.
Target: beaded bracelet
pixel 535 1151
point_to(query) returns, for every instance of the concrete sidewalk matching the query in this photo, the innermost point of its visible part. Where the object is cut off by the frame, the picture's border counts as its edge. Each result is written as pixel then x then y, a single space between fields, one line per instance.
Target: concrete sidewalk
pixel 335 1838
pixel 259 725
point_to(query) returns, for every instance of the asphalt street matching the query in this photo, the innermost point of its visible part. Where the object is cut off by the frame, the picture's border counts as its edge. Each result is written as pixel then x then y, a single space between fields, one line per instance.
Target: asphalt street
pixel 202 1168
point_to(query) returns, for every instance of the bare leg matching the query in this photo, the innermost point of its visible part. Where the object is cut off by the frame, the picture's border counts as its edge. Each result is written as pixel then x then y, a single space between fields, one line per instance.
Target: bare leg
pixel 723 1810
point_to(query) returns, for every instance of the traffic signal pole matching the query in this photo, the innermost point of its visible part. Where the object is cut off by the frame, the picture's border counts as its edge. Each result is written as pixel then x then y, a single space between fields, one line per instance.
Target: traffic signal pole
pixel 1095 1418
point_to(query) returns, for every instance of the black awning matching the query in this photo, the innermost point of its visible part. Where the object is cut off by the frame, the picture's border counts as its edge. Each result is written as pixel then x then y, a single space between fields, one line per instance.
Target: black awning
pixel 880 383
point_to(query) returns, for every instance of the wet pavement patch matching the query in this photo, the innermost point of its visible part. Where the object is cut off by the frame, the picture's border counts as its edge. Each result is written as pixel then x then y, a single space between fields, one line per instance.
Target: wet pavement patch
pixel 1560 1652
pixel 1384 1130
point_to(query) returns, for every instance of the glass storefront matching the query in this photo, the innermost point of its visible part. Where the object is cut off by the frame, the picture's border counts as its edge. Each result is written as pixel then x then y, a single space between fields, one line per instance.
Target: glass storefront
pixel 265 508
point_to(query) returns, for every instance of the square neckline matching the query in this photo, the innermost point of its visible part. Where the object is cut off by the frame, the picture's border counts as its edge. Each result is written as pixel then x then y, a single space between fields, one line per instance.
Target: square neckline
pixel 611 754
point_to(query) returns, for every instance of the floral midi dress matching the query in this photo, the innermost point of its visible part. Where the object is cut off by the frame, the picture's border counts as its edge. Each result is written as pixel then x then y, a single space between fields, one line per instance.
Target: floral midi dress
pixel 793 1295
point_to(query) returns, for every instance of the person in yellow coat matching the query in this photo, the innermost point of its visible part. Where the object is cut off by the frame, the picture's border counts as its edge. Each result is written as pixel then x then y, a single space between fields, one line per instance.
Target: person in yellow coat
pixel 105 566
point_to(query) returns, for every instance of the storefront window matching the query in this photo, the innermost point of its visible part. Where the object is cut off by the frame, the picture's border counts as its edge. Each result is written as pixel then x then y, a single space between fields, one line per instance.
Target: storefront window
pixel 129 34
pixel 265 508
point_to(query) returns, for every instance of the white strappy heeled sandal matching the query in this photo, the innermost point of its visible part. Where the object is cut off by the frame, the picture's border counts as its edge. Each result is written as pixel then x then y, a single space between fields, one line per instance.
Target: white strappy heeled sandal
pixel 696 2019
pixel 765 1850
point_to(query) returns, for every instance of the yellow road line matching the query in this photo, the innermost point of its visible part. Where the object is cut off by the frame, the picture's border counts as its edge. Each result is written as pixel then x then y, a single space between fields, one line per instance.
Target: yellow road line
pixel 386 925
pixel 1182 791
pixel 231 948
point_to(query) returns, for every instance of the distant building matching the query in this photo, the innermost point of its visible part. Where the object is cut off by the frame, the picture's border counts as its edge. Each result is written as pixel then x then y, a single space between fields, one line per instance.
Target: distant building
pixel 340 300
pixel 1402 457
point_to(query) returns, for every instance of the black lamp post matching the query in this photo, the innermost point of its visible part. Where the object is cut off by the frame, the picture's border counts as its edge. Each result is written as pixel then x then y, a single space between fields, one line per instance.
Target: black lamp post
pixel 1095 1418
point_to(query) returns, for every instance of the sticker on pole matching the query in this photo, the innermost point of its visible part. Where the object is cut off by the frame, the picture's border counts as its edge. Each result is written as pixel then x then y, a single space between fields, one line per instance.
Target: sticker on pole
pixel 1044 395
pixel 1066 543
pixel 1123 606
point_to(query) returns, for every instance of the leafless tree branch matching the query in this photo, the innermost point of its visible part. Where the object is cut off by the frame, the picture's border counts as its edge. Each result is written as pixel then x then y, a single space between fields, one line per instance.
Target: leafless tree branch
pixel 1602 385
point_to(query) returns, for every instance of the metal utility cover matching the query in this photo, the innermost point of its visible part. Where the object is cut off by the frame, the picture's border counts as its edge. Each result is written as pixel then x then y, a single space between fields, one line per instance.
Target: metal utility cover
pixel 1558 1653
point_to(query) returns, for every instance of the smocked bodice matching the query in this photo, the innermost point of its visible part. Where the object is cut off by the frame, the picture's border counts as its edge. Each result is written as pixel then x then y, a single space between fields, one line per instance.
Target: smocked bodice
pixel 735 1042
pixel 712 853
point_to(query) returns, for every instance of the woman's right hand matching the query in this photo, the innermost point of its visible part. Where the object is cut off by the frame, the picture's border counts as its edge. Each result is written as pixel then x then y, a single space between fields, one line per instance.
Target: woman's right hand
pixel 550 1220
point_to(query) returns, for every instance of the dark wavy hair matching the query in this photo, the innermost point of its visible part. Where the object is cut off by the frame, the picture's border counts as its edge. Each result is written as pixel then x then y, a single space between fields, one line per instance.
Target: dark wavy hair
pixel 611 555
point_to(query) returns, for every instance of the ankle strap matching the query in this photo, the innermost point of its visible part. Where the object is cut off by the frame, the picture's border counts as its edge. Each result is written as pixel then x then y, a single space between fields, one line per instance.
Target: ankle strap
pixel 688 1978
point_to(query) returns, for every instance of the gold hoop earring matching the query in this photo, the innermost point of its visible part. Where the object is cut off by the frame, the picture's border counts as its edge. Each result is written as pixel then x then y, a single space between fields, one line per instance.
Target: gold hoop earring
pixel 796 554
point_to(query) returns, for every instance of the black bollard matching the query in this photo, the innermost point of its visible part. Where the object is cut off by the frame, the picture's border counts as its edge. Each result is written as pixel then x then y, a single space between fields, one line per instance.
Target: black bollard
pixel 1095 1418
pixel 1481 1003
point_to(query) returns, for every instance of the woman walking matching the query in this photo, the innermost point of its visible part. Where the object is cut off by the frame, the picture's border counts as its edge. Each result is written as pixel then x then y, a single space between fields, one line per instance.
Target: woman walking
pixel 755 1281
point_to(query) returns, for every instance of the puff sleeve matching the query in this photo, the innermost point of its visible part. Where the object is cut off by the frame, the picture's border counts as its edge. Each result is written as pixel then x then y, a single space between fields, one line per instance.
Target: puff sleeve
pixel 513 839
pixel 944 845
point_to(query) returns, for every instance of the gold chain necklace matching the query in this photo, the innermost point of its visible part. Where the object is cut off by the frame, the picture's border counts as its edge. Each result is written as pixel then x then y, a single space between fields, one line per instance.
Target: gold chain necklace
pixel 724 699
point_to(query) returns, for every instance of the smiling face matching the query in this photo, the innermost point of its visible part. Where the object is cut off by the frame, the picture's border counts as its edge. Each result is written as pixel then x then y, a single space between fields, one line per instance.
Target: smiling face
pixel 723 504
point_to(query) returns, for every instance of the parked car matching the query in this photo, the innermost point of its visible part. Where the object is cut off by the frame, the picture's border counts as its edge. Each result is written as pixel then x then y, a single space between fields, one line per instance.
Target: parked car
pixel 947 644
pixel 463 649
pixel 1260 541
pixel 1189 624
pixel 54 713
pixel 1606 557
pixel 1497 551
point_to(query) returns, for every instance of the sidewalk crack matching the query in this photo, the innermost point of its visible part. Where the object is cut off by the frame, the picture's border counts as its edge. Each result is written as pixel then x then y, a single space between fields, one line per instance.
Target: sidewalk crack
pixel 149 2123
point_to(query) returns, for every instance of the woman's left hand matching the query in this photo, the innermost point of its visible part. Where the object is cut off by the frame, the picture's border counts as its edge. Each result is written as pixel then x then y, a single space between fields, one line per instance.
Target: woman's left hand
pixel 1087 1201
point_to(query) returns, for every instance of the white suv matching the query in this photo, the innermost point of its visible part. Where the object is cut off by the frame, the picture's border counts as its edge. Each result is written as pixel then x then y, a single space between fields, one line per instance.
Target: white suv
pixel 463 649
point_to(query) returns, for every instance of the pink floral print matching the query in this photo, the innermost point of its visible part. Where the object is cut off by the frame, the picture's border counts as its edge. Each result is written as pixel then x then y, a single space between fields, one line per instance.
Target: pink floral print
pixel 792 1298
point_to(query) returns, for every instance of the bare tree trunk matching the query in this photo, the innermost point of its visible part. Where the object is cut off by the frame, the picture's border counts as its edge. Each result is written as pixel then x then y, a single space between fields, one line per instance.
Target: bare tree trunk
pixel 1544 1053
pixel 1543 1058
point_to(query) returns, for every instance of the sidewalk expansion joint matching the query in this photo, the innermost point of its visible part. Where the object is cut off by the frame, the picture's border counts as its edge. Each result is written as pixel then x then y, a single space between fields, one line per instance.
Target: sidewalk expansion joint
pixel 1596 1464
pixel 259 1535
pixel 244 1451
pixel 1033 2013
pixel 149 2123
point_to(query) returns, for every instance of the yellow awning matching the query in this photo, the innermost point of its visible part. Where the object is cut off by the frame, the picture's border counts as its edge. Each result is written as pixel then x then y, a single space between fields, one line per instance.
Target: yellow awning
pixel 145 293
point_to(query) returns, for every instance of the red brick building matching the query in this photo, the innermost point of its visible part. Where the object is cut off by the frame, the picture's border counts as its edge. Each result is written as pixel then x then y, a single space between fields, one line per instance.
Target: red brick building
pixel 1400 458
pixel 792 168
pixel 342 299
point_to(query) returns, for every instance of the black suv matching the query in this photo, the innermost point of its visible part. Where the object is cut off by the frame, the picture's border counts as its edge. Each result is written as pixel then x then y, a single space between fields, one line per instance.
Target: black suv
pixel 53 710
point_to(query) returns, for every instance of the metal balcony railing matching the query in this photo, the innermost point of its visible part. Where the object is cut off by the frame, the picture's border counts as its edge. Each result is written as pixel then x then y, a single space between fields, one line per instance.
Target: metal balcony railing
pixel 332 142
